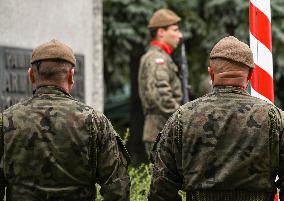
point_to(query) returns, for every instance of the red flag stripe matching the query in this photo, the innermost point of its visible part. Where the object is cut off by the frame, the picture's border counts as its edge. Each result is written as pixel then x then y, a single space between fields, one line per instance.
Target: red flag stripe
pixel 264 6
pixel 262 82
pixel 260 26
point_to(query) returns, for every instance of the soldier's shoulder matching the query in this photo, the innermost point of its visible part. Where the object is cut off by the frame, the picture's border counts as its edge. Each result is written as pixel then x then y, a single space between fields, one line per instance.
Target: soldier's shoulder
pixel 280 114
pixel 83 107
pixel 189 105
pixel 100 116
pixel 154 55
pixel 257 102
pixel 18 106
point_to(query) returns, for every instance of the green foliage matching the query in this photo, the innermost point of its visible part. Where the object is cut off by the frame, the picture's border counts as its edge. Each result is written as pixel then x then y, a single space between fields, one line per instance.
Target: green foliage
pixel 204 23
pixel 126 136
pixel 140 183
pixel 140 179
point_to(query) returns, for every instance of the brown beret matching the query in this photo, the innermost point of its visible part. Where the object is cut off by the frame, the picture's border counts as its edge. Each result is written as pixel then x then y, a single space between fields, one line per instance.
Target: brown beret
pixel 232 49
pixel 53 49
pixel 163 17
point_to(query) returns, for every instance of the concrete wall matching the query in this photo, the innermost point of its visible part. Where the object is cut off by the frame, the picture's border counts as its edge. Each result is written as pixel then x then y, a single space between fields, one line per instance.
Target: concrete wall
pixel 28 23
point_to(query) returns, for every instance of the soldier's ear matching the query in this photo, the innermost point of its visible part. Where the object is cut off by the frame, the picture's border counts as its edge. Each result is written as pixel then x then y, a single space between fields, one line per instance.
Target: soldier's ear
pixel 31 75
pixel 70 76
pixel 160 32
pixel 70 79
pixel 211 73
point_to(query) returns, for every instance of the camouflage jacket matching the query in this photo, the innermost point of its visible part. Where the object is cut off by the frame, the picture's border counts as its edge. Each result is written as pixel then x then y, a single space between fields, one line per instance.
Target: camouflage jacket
pixel 159 89
pixel 226 140
pixel 56 148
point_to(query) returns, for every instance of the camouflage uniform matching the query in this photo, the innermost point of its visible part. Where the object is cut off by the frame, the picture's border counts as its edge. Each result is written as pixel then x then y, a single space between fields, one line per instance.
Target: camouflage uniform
pixel 226 145
pixel 57 148
pixel 159 89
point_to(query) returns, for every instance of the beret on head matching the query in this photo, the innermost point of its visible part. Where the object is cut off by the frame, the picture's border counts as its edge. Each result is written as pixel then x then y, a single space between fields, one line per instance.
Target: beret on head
pixel 53 49
pixel 232 49
pixel 163 17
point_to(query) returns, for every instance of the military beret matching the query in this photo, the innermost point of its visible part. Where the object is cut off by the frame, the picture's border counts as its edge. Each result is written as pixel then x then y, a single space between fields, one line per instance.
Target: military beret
pixel 53 49
pixel 232 49
pixel 163 17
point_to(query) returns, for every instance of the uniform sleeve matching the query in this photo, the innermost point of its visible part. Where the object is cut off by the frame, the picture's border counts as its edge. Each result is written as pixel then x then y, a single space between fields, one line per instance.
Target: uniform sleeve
pixel 2 178
pixel 112 165
pixel 281 157
pixel 166 179
pixel 159 82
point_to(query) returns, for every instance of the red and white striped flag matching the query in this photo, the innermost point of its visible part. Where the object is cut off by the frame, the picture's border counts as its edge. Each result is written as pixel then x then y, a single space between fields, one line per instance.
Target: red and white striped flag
pixel 261 45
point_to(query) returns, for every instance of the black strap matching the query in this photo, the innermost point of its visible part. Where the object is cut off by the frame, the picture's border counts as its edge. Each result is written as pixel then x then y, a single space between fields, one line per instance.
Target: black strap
pixel 154 148
pixel 123 148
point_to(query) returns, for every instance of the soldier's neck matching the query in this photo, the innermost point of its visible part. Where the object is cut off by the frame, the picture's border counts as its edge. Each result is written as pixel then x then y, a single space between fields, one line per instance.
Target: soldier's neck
pixel 168 49
pixel 63 85
pixel 232 78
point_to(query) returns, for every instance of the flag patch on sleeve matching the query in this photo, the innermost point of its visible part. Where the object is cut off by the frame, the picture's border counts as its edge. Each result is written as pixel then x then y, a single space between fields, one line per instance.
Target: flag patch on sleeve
pixel 159 61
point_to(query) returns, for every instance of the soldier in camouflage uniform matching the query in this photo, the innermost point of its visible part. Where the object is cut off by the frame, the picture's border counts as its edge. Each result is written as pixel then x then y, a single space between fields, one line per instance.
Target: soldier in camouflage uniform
pixel 55 148
pixel 224 146
pixel 159 85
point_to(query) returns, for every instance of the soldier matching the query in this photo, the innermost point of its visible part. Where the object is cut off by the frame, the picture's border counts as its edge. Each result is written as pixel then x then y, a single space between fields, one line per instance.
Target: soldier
pixel 226 145
pixel 55 147
pixel 159 85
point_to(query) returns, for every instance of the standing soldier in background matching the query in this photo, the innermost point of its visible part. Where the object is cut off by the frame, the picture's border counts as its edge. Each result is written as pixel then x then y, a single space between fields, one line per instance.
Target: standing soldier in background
pixel 54 147
pixel 226 145
pixel 159 85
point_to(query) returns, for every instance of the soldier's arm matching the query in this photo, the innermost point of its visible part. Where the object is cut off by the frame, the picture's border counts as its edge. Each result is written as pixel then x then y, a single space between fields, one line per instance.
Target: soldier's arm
pixel 166 179
pixel 162 91
pixel 2 178
pixel 112 164
pixel 281 157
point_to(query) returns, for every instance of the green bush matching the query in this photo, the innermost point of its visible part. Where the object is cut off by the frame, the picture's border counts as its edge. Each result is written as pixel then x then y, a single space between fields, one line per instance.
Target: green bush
pixel 140 183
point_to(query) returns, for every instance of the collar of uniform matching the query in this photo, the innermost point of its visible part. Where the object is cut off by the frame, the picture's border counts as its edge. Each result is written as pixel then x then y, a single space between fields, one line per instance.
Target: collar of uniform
pixel 169 50
pixel 50 89
pixel 229 89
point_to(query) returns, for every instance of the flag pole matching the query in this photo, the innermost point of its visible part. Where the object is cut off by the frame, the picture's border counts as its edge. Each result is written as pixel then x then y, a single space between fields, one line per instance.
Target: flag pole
pixel 261 45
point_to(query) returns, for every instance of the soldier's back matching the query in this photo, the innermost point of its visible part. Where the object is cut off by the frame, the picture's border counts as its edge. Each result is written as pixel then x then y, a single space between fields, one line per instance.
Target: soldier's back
pixel 47 141
pixel 228 142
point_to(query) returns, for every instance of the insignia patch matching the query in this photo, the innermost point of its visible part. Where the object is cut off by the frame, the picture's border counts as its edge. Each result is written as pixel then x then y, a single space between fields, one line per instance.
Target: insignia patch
pixel 159 61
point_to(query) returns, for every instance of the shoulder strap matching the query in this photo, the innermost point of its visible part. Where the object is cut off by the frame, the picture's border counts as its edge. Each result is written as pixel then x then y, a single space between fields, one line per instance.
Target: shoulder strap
pixel 122 148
